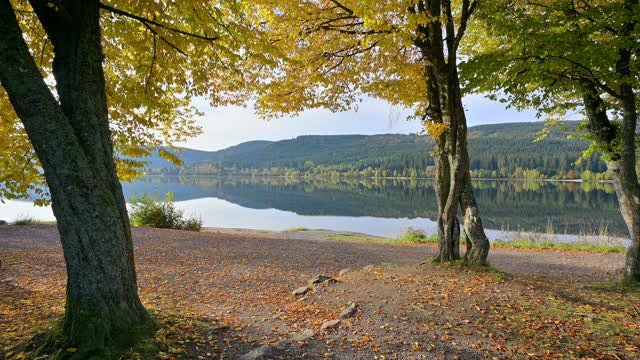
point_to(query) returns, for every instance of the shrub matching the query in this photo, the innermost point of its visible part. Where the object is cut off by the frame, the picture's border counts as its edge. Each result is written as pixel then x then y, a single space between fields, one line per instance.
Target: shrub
pixel 28 220
pixel 418 236
pixel 146 211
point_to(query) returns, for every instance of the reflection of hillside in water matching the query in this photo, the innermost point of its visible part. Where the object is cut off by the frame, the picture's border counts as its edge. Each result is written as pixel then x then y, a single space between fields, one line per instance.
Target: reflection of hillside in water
pixel 515 205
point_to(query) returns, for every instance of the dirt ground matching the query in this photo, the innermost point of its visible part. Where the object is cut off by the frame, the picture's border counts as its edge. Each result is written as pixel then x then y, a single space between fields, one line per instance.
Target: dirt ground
pixel 222 293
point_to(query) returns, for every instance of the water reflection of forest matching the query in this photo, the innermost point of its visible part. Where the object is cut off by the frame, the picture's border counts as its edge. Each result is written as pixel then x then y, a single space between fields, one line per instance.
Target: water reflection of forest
pixel 571 208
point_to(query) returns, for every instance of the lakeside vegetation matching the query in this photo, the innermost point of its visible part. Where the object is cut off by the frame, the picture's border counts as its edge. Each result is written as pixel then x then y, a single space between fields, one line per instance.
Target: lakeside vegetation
pixel 28 220
pixel 148 211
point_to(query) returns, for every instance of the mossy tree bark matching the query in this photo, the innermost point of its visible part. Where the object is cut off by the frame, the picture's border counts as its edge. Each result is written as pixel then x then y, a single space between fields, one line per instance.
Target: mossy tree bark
pixel 618 141
pixel 618 144
pixel 72 139
pixel 453 181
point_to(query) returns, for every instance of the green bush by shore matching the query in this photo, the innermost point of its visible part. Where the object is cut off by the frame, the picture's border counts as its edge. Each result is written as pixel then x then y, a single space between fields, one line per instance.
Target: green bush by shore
pixel 146 211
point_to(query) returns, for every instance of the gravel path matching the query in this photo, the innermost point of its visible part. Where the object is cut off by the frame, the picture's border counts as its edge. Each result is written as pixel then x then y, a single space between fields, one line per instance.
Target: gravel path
pixel 245 278
pixel 306 251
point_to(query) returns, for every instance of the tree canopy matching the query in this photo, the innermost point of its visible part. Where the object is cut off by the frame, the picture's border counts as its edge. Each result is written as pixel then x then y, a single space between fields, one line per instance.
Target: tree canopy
pixel 338 51
pixel 158 57
pixel 540 54
pixel 563 56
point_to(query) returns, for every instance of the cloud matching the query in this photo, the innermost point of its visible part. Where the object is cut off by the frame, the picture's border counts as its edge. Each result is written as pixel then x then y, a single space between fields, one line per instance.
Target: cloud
pixel 228 126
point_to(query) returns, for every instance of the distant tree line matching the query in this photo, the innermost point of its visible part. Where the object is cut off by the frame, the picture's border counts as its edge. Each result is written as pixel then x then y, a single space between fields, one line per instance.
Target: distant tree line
pixel 497 165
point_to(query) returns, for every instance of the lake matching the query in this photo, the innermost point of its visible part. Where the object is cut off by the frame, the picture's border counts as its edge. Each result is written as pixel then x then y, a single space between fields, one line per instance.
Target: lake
pixel 385 207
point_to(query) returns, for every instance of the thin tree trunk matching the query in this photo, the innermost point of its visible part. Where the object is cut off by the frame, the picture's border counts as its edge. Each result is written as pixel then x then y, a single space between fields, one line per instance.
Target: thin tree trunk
pixel 453 182
pixel 477 242
pixel 476 239
pixel 73 142
pixel 448 224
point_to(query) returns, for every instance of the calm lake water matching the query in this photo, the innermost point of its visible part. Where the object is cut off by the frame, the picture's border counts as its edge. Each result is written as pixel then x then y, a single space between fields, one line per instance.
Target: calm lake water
pixel 374 206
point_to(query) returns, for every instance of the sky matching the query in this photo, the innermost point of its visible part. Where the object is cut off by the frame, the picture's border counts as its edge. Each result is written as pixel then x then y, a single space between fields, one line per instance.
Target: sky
pixel 228 126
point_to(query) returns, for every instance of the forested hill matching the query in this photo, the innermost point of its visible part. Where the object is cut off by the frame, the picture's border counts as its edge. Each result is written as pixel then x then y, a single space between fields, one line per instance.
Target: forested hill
pixel 499 150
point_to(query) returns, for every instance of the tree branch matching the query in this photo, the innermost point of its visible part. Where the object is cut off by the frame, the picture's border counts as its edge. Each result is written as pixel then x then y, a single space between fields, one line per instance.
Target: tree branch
pixel 155 33
pixel 467 11
pixel 153 63
pixel 341 6
pixel 147 22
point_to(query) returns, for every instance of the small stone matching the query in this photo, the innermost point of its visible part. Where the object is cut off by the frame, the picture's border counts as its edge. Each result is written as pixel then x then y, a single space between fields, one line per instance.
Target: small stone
pixel 303 336
pixel 301 291
pixel 344 271
pixel 329 324
pixel 322 279
pixel 275 316
pixel 258 353
pixel 350 311
pixel 281 345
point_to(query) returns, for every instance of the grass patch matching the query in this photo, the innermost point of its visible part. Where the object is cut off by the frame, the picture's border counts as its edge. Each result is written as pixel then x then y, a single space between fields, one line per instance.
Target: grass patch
pixel 298 229
pixel 546 244
pixel 411 236
pixel 417 236
pixel 584 324
pixel 357 238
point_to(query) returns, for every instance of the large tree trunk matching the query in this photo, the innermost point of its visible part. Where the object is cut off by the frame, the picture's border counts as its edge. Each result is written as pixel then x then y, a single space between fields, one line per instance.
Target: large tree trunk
pixel 628 178
pixel 619 147
pixel 73 142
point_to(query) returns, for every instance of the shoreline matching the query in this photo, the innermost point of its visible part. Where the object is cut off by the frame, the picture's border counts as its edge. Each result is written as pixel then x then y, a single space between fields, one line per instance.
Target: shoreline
pixel 374 178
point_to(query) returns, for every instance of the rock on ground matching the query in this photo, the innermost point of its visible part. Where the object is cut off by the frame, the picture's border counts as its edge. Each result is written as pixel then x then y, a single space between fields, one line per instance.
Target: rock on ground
pixel 258 353
pixel 301 291
pixel 319 279
pixel 303 336
pixel 350 311
pixel 329 324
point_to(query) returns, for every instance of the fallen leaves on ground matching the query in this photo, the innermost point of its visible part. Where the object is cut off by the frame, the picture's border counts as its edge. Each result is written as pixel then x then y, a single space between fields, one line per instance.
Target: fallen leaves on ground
pixel 219 296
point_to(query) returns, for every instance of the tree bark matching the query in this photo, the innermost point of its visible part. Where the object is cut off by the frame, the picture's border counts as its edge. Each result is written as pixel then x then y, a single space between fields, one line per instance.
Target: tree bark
pixel 453 181
pixel 477 242
pixel 618 144
pixel 72 139
pixel 628 178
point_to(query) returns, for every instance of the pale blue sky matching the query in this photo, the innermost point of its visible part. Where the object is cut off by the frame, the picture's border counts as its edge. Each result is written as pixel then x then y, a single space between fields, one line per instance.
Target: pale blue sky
pixel 224 127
